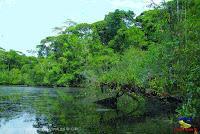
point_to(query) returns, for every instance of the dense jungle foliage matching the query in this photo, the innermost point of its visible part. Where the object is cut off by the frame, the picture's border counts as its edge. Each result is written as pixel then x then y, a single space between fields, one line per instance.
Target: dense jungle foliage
pixel 157 50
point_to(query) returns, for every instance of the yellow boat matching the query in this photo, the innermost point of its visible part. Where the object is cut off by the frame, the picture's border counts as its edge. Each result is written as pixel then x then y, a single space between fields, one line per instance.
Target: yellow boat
pixel 184 125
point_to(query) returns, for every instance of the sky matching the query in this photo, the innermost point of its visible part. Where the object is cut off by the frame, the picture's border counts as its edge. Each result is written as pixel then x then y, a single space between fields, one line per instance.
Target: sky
pixel 24 23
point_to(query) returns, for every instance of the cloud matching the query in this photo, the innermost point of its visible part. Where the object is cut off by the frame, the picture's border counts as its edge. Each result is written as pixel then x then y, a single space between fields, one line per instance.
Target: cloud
pixel 9 3
pixel 132 3
pixel 135 5
pixel 126 3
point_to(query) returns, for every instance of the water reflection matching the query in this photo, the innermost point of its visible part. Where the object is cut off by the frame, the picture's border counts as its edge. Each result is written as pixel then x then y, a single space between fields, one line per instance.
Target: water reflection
pixel 27 110
pixel 19 125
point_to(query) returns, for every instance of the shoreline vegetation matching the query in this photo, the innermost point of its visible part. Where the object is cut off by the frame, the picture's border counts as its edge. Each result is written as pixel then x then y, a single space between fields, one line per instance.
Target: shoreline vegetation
pixel 157 51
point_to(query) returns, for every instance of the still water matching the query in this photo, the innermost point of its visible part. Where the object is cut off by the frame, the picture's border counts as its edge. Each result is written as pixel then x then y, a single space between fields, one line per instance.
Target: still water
pixel 28 110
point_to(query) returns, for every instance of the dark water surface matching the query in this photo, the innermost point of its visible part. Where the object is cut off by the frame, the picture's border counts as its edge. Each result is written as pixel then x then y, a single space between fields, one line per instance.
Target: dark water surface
pixel 28 110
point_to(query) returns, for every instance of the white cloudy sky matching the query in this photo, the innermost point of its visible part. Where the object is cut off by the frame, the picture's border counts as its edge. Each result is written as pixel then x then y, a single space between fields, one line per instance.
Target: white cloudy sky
pixel 25 22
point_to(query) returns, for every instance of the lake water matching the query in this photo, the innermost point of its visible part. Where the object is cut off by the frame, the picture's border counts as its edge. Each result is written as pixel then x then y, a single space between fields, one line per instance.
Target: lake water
pixel 30 110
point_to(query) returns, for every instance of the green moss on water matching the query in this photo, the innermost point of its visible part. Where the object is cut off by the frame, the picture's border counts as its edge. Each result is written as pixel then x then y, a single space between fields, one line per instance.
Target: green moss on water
pixel 127 104
pixel 131 104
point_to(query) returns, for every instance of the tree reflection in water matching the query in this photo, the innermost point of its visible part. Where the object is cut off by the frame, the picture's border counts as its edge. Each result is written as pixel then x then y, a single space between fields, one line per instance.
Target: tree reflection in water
pixel 64 110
